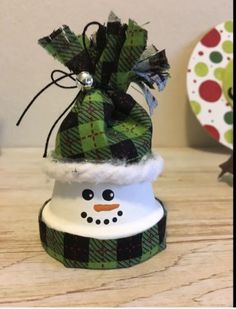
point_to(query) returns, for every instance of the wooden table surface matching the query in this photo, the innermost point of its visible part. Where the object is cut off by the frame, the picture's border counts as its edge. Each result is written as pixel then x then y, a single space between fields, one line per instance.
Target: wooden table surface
pixel 194 270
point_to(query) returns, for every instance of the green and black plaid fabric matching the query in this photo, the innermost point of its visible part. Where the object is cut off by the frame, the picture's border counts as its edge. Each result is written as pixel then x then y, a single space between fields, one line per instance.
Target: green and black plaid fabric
pixel 134 45
pixel 105 122
pixel 68 48
pixel 124 46
pixel 83 252
pixel 116 50
pixel 103 127
pixel 107 63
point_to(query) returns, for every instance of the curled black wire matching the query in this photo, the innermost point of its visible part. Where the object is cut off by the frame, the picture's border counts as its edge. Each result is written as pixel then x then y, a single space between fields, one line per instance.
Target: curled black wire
pixel 91 66
pixel 53 82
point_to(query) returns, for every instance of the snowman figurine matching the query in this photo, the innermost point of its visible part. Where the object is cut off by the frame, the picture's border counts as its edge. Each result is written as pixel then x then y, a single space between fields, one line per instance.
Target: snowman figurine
pixel 103 213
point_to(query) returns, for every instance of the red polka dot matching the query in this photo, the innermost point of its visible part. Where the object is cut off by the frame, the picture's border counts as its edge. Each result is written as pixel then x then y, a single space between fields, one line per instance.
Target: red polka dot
pixel 210 91
pixel 209 110
pixel 211 39
pixel 212 131
pixel 200 53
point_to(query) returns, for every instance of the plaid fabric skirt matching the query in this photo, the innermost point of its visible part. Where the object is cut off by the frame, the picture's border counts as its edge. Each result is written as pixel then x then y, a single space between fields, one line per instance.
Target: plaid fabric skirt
pixel 85 252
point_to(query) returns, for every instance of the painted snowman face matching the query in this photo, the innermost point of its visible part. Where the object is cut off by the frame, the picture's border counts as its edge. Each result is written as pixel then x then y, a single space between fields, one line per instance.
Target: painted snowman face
pixel 106 211
pixel 102 211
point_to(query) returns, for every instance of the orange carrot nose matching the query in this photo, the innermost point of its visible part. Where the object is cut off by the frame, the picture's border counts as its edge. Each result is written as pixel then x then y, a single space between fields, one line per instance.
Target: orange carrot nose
pixel 105 207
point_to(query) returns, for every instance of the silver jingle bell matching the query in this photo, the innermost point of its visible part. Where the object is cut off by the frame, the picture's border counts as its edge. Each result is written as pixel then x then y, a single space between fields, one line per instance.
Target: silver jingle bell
pixel 85 80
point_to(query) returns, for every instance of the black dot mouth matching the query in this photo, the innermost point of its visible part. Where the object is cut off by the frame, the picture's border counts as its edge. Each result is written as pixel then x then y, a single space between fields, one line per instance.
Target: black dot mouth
pixel 90 220
pixel 84 215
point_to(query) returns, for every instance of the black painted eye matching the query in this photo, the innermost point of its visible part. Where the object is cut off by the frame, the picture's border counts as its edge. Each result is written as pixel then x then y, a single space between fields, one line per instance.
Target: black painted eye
pixel 108 195
pixel 87 194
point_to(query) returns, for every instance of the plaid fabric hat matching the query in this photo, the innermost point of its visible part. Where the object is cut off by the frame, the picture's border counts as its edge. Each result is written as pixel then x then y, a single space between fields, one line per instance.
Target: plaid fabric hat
pixel 105 124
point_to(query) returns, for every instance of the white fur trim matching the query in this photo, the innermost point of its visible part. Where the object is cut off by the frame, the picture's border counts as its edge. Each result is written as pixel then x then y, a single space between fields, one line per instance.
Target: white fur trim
pixel 147 169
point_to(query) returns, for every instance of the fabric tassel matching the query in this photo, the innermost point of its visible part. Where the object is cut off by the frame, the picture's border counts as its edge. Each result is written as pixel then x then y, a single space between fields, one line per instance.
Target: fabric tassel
pixel 153 68
pixel 150 99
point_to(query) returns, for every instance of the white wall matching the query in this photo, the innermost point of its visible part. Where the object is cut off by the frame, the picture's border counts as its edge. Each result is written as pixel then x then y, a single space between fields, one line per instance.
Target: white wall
pixel 176 25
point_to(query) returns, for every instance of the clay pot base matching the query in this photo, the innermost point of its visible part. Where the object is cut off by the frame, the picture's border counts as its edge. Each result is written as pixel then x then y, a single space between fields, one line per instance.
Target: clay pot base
pixel 85 252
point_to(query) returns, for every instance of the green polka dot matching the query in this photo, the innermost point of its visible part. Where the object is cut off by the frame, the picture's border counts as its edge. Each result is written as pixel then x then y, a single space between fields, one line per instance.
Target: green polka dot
pixel 229 136
pixel 201 69
pixel 228 82
pixel 227 46
pixel 228 117
pixel 229 26
pixel 218 73
pixel 196 107
pixel 216 57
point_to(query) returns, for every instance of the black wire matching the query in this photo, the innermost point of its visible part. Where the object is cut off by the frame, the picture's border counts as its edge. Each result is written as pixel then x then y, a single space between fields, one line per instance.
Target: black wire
pixel 66 75
pixel 54 81
pixel 55 123
pixel 91 66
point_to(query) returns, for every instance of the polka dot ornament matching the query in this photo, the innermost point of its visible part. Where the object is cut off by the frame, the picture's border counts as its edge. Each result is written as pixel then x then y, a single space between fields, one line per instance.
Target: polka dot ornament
pixel 210 82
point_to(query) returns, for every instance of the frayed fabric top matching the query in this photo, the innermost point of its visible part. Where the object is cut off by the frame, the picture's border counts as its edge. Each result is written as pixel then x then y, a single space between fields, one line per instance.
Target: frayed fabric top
pixel 105 123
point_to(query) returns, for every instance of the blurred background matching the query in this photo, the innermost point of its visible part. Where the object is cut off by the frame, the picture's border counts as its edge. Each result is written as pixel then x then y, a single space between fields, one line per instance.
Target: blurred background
pixel 25 67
